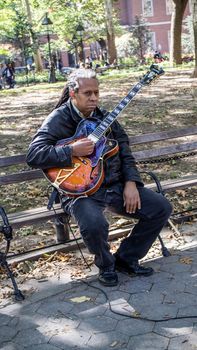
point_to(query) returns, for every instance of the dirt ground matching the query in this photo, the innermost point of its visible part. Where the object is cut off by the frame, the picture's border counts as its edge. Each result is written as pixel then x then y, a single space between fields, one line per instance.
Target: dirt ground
pixel 169 103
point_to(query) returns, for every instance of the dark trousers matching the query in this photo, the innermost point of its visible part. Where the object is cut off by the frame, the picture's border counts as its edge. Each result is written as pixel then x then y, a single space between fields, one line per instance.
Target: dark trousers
pixel 89 214
pixel 10 82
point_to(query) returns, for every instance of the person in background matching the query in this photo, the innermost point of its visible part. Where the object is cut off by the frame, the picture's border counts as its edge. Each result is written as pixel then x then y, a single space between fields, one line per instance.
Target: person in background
pixel 158 58
pixel 2 68
pixel 88 62
pixel 8 73
pixel 122 190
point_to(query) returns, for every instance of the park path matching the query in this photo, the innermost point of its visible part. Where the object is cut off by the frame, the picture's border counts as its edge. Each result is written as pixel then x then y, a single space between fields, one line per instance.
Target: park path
pixel 60 312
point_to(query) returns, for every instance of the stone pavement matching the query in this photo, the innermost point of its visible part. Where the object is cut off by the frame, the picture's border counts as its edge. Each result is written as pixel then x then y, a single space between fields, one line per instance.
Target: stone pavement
pixel 67 314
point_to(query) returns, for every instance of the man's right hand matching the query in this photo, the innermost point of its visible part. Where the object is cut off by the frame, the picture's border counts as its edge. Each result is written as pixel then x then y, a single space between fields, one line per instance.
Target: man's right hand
pixel 83 147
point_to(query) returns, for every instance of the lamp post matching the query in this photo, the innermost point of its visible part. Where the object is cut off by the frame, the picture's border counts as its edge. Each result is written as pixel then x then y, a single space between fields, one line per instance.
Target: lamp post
pixel 79 31
pixel 75 42
pixel 47 22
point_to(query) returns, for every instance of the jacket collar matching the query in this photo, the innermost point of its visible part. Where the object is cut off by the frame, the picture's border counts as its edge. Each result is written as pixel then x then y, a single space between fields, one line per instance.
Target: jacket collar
pixel 78 112
pixel 77 118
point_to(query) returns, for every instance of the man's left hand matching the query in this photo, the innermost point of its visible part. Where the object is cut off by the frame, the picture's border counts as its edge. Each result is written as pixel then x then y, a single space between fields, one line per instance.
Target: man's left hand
pixel 131 197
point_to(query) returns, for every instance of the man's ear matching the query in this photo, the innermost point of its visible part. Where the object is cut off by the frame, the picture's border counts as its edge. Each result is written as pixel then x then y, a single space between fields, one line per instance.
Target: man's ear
pixel 72 93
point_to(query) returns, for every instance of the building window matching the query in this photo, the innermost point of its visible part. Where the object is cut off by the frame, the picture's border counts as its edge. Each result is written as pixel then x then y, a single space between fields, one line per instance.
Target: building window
pixel 152 45
pixel 169 7
pixel 147 8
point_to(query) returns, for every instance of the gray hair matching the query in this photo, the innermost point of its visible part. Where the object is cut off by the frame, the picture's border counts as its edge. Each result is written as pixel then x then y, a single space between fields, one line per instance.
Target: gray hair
pixel 80 73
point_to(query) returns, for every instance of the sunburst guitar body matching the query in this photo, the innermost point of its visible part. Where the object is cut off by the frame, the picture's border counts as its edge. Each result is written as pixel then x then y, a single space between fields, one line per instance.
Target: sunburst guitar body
pixel 86 174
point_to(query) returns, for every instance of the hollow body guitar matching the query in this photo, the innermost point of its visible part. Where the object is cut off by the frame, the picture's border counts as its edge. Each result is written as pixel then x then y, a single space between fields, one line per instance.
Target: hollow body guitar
pixel 86 174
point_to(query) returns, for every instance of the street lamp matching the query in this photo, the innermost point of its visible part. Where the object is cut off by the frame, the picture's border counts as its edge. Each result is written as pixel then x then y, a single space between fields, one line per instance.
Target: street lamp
pixel 75 42
pixel 79 31
pixel 47 22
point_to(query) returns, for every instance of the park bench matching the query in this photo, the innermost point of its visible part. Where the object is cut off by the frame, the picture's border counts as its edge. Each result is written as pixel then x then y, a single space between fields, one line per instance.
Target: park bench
pixel 181 142
pixel 103 69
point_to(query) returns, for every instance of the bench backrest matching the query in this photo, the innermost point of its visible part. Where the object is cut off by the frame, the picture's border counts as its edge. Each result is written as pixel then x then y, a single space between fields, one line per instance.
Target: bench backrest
pixel 179 147
pixel 177 136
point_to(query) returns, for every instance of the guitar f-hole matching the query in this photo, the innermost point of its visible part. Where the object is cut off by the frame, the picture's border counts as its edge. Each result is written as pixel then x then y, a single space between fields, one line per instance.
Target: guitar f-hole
pixel 92 177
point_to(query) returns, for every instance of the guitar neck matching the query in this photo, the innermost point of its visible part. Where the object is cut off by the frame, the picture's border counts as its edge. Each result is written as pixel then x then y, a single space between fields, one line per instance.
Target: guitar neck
pixel 111 117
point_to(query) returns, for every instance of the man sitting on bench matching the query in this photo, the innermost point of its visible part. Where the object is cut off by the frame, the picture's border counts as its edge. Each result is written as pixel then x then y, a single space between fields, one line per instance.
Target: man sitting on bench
pixel 121 191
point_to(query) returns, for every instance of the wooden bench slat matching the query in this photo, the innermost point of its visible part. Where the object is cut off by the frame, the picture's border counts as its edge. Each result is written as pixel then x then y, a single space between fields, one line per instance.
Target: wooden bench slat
pixel 21 176
pixel 31 216
pixel 12 160
pixel 181 184
pixel 163 135
pixel 35 211
pixel 171 185
pixel 164 151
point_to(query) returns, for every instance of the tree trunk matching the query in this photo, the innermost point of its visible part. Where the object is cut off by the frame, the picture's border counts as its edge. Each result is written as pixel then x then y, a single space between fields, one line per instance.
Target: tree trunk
pixel 176 31
pixel 36 51
pixel 194 15
pixel 112 54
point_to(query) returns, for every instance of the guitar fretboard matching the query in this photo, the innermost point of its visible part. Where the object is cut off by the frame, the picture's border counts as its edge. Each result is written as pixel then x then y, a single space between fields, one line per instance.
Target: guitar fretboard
pixel 101 129
pixel 106 123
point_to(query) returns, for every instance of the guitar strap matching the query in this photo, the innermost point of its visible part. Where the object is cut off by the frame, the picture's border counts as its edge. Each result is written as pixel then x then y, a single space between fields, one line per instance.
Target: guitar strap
pixel 54 198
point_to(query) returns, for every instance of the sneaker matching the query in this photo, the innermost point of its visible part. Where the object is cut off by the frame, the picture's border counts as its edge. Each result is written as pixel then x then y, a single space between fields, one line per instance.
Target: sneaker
pixel 108 278
pixel 132 268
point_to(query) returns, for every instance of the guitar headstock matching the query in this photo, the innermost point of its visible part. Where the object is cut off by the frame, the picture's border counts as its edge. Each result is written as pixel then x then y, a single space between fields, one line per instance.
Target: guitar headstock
pixel 154 72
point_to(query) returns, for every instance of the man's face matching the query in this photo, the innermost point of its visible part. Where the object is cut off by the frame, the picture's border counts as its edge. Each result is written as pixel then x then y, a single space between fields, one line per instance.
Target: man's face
pixel 87 97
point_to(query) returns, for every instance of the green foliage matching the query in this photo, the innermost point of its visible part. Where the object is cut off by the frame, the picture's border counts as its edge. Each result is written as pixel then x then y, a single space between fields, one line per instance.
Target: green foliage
pixel 4 52
pixel 6 23
pixel 23 79
pixel 15 27
pixel 66 15
pixel 126 45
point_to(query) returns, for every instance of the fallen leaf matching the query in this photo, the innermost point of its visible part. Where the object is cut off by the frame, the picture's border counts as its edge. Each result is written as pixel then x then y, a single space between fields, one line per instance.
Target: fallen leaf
pixel 186 260
pixel 80 299
pixel 136 314
pixel 113 344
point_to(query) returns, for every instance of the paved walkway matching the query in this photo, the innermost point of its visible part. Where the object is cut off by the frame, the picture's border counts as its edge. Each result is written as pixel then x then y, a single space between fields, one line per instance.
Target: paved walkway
pixel 66 314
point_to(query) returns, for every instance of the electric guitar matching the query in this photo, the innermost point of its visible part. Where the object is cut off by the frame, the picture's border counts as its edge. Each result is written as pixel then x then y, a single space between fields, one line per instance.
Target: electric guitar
pixel 86 174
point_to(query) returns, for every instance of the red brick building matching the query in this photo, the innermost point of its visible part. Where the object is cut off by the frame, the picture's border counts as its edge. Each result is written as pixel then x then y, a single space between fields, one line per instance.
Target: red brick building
pixel 156 13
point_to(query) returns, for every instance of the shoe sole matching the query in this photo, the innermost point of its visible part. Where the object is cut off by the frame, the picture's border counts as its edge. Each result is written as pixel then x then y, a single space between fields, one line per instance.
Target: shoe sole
pixel 112 284
pixel 133 273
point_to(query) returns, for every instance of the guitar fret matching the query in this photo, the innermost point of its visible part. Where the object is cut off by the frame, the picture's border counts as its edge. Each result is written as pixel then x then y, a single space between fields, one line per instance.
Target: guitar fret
pixel 126 99
pixel 105 123
pixel 101 126
pixel 138 86
pixel 132 93
pixel 97 132
pixel 116 110
pixel 110 118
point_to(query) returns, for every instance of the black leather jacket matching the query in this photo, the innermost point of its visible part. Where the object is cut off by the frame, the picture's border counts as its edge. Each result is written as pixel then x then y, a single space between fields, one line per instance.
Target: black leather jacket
pixel 61 124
